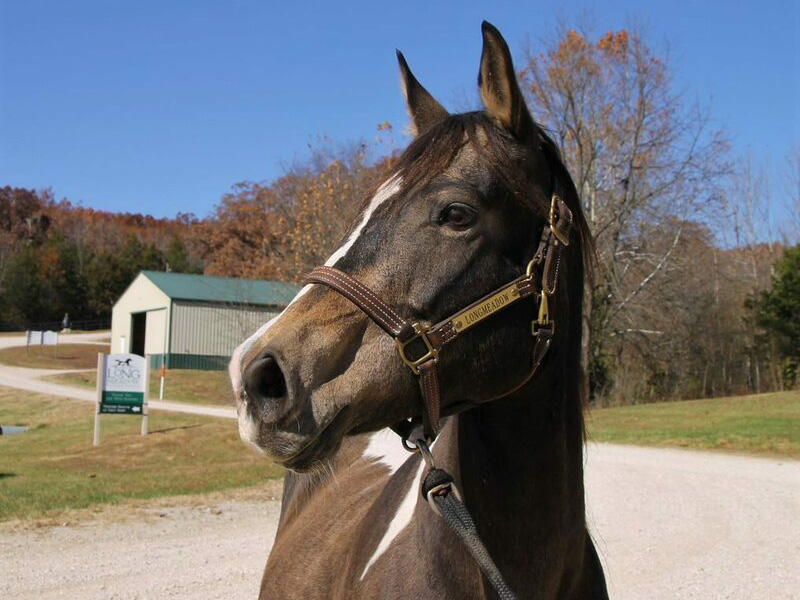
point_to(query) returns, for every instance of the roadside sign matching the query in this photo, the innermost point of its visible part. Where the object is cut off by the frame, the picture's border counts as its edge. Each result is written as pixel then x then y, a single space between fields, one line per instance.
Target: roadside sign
pixel 121 388
pixel 123 384
pixel 49 338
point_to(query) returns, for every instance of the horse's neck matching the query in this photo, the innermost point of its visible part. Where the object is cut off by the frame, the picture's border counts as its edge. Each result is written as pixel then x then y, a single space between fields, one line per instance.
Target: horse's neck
pixel 521 467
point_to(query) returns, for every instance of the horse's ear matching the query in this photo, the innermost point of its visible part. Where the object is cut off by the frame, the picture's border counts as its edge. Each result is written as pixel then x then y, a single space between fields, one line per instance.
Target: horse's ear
pixel 498 85
pixel 423 108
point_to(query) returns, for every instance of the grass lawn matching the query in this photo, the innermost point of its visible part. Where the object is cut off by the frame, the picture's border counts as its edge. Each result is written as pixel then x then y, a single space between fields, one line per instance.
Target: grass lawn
pixel 180 385
pixel 63 356
pixel 764 423
pixel 54 467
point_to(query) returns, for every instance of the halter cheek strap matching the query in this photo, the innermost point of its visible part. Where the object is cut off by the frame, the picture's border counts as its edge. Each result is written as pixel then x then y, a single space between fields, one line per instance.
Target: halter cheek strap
pixel 419 345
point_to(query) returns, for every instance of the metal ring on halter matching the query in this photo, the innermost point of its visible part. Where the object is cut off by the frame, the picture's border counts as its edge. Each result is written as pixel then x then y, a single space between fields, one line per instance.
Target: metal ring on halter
pixel 407 446
pixel 422 446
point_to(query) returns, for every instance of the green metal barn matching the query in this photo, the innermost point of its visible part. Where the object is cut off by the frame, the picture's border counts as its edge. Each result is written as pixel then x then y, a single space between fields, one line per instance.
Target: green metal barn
pixel 193 321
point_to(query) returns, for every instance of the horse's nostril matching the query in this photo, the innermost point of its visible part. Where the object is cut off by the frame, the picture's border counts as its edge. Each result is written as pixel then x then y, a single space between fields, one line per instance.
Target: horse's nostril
pixel 263 379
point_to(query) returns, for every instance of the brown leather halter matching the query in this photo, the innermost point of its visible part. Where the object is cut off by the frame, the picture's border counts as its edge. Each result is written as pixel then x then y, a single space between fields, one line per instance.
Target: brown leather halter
pixel 419 345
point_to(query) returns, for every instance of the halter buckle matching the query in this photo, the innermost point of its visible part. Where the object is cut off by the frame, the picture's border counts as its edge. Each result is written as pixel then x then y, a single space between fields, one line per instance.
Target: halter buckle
pixel 559 216
pixel 543 320
pixel 420 333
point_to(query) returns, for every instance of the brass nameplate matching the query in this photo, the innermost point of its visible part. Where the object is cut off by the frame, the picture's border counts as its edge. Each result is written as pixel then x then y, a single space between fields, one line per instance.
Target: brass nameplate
pixel 486 308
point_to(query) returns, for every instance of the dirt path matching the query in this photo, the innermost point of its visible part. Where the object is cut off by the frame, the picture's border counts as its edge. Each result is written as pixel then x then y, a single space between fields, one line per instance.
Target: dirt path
pixel 670 524
pixel 93 337
pixel 30 380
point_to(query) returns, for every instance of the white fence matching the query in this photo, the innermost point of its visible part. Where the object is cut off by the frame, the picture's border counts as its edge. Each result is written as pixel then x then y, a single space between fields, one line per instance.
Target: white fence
pixel 41 338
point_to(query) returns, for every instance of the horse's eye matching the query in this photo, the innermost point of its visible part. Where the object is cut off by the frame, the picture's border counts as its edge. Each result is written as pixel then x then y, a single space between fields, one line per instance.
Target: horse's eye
pixel 458 216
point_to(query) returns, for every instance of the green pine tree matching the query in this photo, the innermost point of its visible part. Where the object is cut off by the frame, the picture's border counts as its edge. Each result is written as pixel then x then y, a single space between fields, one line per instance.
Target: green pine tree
pixel 778 311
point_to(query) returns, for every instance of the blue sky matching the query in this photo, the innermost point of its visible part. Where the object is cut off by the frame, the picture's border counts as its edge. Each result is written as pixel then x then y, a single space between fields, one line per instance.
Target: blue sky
pixel 159 107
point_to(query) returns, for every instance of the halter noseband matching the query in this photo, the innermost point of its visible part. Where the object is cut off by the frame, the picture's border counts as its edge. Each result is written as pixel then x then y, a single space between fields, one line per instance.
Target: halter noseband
pixel 419 345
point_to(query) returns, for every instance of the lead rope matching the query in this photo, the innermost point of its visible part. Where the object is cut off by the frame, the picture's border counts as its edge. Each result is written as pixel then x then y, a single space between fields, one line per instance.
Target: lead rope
pixel 441 493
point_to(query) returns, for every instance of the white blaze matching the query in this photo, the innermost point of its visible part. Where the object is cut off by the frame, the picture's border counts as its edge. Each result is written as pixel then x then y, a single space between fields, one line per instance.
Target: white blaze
pixel 248 429
pixel 386 191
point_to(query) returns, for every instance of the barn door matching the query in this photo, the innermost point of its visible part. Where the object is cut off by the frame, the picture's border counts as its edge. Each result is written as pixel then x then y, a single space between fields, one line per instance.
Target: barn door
pixel 138 331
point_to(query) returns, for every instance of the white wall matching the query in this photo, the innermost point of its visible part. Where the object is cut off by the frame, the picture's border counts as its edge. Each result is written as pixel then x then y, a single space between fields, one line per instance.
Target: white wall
pixel 155 336
pixel 142 295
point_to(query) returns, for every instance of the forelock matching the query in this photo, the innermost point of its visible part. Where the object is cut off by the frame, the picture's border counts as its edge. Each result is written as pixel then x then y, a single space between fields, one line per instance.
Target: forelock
pixel 435 151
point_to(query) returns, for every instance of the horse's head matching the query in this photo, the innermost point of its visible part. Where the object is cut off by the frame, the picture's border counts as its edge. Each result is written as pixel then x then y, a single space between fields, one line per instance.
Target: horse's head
pixel 461 214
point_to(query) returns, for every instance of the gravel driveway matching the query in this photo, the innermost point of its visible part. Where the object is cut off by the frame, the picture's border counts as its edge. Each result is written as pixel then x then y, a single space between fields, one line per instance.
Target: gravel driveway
pixel 670 524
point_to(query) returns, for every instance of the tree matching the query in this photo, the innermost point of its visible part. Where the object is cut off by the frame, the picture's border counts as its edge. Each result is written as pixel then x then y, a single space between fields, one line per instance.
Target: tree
pixel 23 295
pixel 109 273
pixel 747 227
pixel 58 257
pixel 645 164
pixel 177 258
pixel 791 230
pixel 284 229
pixel 778 311
pixel 23 227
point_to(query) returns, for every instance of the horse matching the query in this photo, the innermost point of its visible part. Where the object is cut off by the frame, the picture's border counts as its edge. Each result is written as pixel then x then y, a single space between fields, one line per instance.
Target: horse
pixel 321 388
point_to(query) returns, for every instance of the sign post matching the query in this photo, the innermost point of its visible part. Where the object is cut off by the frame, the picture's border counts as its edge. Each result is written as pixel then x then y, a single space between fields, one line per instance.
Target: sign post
pixel 121 388
pixel 163 372
pixel 101 364
pixel 146 390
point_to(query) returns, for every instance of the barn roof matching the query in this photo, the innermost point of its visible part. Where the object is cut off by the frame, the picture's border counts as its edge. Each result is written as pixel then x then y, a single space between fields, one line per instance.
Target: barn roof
pixel 206 288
